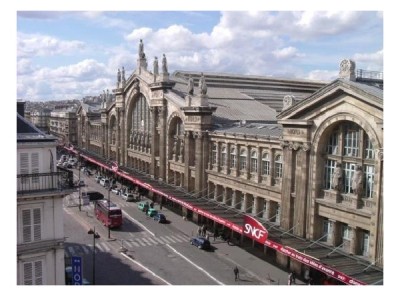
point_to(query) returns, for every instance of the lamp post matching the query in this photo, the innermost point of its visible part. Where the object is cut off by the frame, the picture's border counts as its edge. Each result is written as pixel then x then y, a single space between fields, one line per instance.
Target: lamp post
pixel 95 236
pixel 79 180
pixel 108 216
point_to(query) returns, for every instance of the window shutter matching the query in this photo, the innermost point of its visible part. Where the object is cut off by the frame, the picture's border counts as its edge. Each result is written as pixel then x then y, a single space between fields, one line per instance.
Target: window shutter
pixel 35 166
pixel 26 226
pixel 37 236
pixel 38 272
pixel 24 163
pixel 28 273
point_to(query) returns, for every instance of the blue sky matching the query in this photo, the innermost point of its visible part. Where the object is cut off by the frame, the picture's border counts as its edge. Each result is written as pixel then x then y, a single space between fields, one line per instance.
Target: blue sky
pixel 70 54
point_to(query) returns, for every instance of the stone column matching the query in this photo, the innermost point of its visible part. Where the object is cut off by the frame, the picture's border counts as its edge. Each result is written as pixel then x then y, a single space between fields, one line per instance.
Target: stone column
pixel 154 142
pixel 187 159
pixel 102 139
pixel 124 154
pixel 205 154
pixel 300 205
pixel 234 198
pixel 286 198
pixel 228 158
pixel 257 207
pixel 335 235
pixel 259 161
pixel 199 161
pixel 224 194
pixel 163 137
pixel 273 210
pixel 245 202
pixel 354 247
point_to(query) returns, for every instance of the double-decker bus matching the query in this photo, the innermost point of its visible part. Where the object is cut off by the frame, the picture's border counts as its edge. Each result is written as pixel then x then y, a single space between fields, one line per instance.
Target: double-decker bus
pixel 108 213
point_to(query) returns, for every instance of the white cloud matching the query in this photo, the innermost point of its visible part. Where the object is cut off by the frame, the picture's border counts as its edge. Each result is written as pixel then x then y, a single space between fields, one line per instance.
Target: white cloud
pixel 29 45
pixel 286 53
pixel 323 75
pixel 370 61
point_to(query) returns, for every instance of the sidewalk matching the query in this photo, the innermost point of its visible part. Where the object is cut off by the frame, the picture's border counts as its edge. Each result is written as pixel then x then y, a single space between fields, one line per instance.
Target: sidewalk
pixel 252 269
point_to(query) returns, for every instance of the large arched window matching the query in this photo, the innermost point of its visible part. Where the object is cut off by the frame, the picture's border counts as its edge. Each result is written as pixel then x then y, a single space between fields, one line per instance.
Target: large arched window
pixel 349 145
pixel 254 162
pixel 265 164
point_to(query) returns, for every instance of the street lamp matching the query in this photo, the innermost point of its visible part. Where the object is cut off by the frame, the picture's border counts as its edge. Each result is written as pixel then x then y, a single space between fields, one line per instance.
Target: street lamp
pixel 79 180
pixel 108 213
pixel 95 236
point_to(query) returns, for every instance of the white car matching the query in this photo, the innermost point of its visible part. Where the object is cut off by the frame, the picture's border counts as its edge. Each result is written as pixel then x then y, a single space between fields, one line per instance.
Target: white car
pixel 128 197
pixel 116 191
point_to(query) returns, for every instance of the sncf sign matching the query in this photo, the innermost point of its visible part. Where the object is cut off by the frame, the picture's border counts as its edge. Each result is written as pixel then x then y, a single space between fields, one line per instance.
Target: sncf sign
pixel 254 229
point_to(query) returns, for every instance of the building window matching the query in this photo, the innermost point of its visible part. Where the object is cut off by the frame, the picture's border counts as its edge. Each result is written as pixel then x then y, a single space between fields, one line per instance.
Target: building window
pixel 368 181
pixel 349 169
pixel 223 156
pixel 33 273
pixel 365 243
pixel 254 162
pixel 329 169
pixel 327 230
pixel 233 157
pixel 243 159
pixel 265 164
pixel 369 149
pixel 351 140
pixel 31 225
pixel 214 154
pixel 346 230
pixel 355 152
pixel 278 166
pixel 333 143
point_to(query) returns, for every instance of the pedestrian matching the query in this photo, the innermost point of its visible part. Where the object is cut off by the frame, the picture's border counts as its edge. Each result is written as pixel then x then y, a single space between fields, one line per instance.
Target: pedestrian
pixel 204 230
pixel 199 231
pixel 207 237
pixel 215 233
pixel 291 279
pixel 236 272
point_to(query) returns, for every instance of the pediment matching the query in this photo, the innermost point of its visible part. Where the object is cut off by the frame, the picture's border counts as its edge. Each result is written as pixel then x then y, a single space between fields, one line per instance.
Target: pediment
pixel 332 95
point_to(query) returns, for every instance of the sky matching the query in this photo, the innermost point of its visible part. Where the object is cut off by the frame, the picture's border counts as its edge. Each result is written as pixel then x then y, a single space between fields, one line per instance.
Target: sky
pixel 55 50
pixel 71 54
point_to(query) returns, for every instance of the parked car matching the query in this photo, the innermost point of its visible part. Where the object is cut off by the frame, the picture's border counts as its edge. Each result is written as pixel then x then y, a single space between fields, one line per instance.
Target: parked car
pixel 143 206
pixel 151 212
pixel 98 178
pixel 160 218
pixel 93 195
pixel 105 182
pixel 128 197
pixel 80 183
pixel 200 242
pixel 116 190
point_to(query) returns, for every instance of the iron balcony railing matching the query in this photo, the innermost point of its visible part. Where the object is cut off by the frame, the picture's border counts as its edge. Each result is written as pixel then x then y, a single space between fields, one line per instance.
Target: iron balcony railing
pixel 365 74
pixel 44 182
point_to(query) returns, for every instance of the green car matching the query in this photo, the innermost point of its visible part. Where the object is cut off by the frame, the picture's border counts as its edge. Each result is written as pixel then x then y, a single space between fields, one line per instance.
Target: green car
pixel 151 212
pixel 143 206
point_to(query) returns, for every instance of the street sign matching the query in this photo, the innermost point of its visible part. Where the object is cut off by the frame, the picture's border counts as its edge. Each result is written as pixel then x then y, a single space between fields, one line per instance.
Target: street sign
pixel 76 270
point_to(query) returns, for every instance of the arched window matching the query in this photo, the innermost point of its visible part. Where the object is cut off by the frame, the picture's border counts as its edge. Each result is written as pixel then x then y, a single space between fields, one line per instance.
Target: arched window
pixel 278 166
pixel 254 162
pixel 243 159
pixel 223 156
pixel 233 157
pixel 265 164
pixel 356 150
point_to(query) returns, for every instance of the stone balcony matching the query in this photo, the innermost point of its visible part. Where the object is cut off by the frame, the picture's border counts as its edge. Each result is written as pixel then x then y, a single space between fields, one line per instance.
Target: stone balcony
pixel 347 200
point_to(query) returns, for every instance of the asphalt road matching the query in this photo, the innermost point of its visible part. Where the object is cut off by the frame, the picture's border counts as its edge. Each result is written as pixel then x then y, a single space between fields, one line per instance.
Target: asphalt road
pixel 156 254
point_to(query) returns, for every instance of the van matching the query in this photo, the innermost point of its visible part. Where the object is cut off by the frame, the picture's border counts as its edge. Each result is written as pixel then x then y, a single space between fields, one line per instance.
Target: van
pixel 105 182
pixel 93 195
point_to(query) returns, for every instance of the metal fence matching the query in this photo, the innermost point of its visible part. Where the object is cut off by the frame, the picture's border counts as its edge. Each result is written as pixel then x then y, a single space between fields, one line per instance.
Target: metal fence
pixel 43 182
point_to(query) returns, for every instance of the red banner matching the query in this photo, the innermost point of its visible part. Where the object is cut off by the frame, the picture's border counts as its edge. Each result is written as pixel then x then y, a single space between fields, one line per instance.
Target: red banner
pixel 251 228
pixel 254 229
pixel 313 262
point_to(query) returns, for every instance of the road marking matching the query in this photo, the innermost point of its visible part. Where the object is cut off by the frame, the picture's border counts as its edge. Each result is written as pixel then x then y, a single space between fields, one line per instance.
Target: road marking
pixel 85 249
pixel 151 240
pixel 172 240
pixel 176 238
pixel 148 270
pixel 140 242
pixel 198 267
pixel 132 242
pixel 146 241
pixel 105 246
pixel 159 240
pixel 164 239
pixel 184 237
pixel 137 222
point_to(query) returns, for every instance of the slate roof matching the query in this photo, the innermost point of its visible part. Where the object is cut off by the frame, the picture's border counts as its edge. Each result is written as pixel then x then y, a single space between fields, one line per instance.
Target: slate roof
pixel 253 129
pixel 27 132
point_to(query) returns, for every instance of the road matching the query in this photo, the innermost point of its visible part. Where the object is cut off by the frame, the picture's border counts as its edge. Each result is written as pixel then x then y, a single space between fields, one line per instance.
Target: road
pixel 157 254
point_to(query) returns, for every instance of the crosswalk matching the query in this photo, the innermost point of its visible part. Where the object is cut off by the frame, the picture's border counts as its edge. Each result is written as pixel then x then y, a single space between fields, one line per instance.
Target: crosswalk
pixel 133 241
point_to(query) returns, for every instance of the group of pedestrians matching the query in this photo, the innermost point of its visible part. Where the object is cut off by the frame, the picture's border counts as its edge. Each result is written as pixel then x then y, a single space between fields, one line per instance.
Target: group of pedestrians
pixel 202 231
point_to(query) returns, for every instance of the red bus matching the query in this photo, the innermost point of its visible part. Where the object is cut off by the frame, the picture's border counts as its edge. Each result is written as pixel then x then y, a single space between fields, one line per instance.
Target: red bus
pixel 108 213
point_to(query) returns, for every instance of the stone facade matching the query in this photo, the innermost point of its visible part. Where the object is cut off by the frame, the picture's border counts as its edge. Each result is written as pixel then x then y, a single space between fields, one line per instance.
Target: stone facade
pixel 279 169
